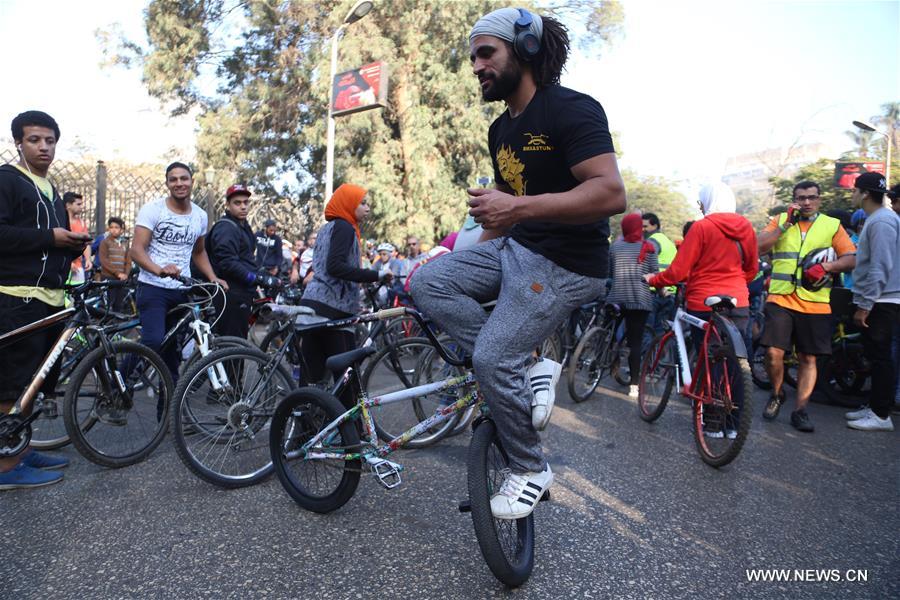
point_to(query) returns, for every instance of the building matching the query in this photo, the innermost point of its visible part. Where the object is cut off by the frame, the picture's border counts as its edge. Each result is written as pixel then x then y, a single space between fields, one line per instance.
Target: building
pixel 751 172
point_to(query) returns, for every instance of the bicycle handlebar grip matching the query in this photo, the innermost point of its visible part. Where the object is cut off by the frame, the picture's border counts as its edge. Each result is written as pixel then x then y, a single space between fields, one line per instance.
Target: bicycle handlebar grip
pixel 389 313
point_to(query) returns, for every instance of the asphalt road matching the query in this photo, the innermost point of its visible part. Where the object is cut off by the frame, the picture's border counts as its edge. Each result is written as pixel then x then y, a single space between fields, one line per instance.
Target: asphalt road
pixel 635 514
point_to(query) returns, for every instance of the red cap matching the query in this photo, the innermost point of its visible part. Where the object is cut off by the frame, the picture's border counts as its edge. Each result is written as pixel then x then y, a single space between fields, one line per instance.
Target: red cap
pixel 238 188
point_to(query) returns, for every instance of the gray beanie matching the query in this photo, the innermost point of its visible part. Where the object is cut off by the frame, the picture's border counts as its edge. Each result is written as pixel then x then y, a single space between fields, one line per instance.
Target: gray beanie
pixel 502 24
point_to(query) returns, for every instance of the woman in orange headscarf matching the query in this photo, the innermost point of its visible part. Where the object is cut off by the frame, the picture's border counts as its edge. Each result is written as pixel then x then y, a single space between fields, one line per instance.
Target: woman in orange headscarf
pixel 333 292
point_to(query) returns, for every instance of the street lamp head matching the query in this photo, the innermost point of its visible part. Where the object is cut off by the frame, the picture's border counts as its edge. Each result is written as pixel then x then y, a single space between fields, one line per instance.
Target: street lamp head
pixel 865 125
pixel 359 10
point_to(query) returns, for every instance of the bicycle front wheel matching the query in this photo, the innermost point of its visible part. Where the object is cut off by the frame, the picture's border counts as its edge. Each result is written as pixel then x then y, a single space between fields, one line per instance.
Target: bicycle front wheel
pixel 657 377
pixel 585 368
pixel 506 544
pixel 318 484
pixel 117 404
pixel 223 407
pixel 722 418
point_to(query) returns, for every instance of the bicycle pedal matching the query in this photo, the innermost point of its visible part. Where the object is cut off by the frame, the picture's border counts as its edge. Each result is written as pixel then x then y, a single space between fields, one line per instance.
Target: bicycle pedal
pixel 387 472
pixel 465 506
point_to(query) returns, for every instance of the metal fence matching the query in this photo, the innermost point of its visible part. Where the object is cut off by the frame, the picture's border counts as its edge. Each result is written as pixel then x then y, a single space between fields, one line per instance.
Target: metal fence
pixel 112 192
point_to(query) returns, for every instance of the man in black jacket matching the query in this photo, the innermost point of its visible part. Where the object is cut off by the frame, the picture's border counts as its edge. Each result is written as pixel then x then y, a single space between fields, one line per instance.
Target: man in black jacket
pixel 35 256
pixel 231 246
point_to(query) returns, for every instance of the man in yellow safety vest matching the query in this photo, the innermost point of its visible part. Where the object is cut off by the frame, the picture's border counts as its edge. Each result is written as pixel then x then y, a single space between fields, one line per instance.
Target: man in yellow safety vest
pixel 664 298
pixel 804 244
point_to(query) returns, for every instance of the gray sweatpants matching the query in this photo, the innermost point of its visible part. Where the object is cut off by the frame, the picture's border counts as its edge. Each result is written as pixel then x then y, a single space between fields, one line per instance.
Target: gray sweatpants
pixel 533 296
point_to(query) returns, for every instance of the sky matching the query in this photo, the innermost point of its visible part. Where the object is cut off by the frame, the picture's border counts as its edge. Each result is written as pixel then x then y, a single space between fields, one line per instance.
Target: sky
pixel 690 83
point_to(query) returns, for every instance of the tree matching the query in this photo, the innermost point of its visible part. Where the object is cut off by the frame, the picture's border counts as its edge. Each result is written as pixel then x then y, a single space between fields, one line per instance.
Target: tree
pixel 266 122
pixel 821 172
pixel 659 196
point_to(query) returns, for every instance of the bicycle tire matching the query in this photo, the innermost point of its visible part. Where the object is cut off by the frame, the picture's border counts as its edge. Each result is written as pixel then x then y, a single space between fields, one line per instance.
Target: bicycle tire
pixel 587 355
pixel 657 377
pixel 507 545
pixel 300 416
pixel 154 405
pixel 399 366
pixel 719 412
pixel 853 371
pixel 222 437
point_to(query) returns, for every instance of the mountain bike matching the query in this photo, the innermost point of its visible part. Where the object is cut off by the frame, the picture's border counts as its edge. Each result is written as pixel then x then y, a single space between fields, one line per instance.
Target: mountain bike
pixel 719 388
pixel 319 449
pixel 191 334
pixel 110 414
pixel 598 353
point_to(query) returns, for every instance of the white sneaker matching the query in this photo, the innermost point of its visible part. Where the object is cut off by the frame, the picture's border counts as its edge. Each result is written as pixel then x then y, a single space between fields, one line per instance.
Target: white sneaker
pixel 862 413
pixel 519 494
pixel 633 391
pixel 872 423
pixel 543 375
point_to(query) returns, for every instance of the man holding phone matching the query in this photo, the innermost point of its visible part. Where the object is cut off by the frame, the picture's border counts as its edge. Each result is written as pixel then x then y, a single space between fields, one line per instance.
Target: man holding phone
pixel 35 257
pixel 798 313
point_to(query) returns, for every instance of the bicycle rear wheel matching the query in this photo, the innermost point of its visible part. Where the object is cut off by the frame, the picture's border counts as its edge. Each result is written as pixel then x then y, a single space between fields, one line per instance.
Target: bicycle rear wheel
pixel 585 368
pixel 399 366
pixel 316 484
pixel 117 404
pixel 722 419
pixel 222 435
pixel 657 377
pixel 506 544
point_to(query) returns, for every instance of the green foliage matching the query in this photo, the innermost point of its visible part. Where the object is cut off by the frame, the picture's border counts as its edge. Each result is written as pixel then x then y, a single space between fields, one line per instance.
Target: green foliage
pixel 821 172
pixel 267 123
pixel 657 195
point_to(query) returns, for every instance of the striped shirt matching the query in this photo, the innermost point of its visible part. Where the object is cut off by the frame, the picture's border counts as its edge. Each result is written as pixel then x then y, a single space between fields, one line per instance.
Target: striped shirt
pixel 628 287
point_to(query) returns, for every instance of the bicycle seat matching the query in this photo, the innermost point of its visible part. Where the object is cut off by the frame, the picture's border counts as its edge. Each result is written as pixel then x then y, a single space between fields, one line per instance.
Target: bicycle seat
pixel 339 363
pixel 612 309
pixel 720 302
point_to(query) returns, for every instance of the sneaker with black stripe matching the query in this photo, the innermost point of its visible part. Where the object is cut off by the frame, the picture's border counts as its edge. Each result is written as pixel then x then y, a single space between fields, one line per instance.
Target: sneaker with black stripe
pixel 520 493
pixel 543 376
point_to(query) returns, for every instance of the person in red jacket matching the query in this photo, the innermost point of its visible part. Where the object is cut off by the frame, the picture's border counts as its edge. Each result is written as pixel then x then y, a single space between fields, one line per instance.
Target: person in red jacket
pixel 717 257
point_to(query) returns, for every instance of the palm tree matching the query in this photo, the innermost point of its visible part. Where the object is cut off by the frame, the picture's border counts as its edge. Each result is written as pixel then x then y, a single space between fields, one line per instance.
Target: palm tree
pixel 889 122
pixel 862 141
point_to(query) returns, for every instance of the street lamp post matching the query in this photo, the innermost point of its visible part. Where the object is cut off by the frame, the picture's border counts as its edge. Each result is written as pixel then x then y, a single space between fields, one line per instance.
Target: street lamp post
pixel 359 10
pixel 865 125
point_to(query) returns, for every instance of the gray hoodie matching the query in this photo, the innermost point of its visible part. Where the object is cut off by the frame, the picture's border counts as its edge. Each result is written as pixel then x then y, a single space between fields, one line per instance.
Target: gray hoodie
pixel 876 277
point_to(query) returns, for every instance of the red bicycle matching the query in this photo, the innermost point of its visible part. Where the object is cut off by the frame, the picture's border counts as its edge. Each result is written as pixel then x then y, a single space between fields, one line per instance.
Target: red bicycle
pixel 720 387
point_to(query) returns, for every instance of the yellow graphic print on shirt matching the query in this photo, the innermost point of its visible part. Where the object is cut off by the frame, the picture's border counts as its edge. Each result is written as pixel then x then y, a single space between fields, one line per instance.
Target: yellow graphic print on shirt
pixel 511 169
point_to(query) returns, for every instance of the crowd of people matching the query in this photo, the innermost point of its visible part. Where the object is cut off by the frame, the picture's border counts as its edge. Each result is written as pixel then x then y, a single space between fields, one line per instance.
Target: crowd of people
pixel 538 243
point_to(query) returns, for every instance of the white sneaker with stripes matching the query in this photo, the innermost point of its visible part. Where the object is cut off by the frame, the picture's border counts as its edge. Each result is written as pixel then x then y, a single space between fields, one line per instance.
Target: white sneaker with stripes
pixel 543 375
pixel 520 493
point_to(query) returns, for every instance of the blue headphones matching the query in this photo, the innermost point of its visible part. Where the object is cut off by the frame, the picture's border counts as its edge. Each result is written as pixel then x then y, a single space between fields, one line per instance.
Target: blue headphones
pixel 525 43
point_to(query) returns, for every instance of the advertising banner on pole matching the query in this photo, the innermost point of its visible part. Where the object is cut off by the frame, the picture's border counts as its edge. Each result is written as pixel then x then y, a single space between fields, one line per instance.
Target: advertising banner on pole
pixel 845 173
pixel 360 89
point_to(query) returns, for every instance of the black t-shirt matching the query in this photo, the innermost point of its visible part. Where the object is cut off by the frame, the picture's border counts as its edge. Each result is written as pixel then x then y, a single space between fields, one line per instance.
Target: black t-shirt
pixel 534 153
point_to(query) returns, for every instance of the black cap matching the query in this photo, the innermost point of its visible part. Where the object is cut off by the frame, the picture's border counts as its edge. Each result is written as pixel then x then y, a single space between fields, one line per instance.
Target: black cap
pixel 269 222
pixel 871 182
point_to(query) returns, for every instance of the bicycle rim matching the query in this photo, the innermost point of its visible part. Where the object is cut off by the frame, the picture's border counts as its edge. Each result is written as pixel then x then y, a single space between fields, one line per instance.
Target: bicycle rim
pixel 223 435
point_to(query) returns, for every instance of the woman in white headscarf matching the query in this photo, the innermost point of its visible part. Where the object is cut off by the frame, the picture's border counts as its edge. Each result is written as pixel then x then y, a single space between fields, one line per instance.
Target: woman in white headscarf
pixel 717 257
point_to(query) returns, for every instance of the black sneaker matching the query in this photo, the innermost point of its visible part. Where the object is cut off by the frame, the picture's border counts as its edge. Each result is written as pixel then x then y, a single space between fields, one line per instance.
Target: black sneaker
pixel 773 406
pixel 800 421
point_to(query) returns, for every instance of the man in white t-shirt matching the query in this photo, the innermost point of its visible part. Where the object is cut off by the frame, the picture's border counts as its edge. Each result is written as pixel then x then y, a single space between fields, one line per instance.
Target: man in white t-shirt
pixel 168 234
